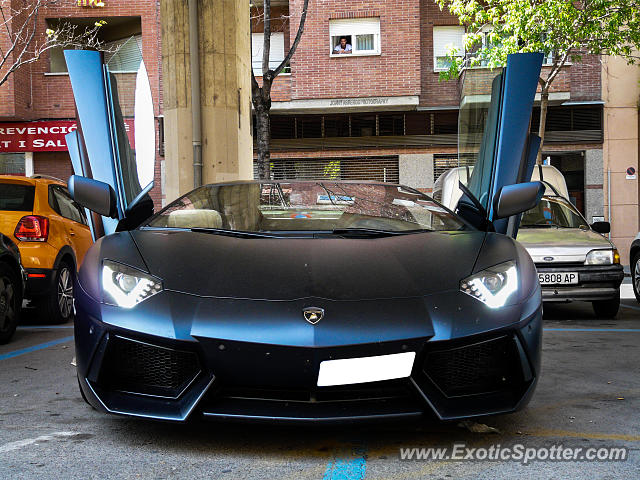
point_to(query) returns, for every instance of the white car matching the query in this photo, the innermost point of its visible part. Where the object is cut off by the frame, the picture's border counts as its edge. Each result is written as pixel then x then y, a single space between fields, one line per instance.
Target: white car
pixel 574 260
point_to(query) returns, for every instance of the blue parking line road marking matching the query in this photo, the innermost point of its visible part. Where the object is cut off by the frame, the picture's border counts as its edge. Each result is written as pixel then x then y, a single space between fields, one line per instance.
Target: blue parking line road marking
pixel 630 330
pixel 352 467
pixel 633 307
pixel 52 343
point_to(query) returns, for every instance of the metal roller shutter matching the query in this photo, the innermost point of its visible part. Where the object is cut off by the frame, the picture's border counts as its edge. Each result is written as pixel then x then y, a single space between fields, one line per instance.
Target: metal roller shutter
pixel 381 169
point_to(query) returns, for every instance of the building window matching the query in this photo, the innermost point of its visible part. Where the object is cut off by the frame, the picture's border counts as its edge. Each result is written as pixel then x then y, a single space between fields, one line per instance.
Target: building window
pixel 124 55
pixel 12 164
pixel 356 36
pixel 276 51
pixel 121 39
pixel 446 39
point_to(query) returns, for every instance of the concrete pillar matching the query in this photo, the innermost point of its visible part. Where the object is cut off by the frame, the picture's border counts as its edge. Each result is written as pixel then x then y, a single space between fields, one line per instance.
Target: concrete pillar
pixel 225 79
pixel 621 91
pixel 593 183
pixel 416 170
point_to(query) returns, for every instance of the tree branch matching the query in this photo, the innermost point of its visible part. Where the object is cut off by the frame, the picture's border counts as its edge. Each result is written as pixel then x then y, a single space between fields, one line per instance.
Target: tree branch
pixel 266 47
pixel 292 50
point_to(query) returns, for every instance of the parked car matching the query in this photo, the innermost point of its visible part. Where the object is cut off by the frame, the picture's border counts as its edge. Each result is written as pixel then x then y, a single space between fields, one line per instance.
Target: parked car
pixel 446 189
pixel 302 300
pixel 634 267
pixel 11 288
pixel 52 234
pixel 573 259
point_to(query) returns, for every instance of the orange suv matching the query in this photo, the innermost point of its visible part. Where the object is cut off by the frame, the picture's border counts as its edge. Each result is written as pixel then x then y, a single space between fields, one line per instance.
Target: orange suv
pixel 52 235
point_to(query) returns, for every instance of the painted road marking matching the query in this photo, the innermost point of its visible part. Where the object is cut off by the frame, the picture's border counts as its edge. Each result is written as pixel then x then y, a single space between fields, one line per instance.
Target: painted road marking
pixel 16 353
pixel 17 445
pixel 351 466
pixel 592 436
pixel 631 330
pixel 633 307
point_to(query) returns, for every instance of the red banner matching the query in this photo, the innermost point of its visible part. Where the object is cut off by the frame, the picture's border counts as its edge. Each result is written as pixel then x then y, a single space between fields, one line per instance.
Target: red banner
pixel 45 136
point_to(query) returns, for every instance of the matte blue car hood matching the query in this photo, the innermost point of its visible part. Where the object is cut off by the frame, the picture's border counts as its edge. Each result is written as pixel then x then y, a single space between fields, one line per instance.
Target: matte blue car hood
pixel 293 268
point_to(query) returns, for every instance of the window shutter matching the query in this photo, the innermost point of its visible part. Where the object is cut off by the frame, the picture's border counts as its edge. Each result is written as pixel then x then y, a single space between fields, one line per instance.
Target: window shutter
pixel 125 54
pixel 446 37
pixel 276 51
pixel 354 26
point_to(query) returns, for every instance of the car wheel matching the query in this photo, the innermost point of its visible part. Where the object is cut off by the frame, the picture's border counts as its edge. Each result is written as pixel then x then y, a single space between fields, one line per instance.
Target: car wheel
pixel 635 275
pixel 10 303
pixel 58 305
pixel 607 308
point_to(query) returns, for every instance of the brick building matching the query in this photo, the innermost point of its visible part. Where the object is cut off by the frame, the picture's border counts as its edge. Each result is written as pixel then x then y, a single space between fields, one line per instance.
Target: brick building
pixel 36 103
pixel 381 113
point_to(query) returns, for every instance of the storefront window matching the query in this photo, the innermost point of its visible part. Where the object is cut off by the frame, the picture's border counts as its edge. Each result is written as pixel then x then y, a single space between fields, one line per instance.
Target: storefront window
pixel 11 163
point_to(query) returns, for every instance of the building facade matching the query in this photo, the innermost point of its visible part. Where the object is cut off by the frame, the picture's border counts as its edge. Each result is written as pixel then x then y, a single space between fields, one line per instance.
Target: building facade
pixel 36 102
pixel 380 111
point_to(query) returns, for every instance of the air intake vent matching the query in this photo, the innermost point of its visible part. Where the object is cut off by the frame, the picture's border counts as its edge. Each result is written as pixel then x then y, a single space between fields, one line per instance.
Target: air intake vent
pixel 137 367
pixel 483 367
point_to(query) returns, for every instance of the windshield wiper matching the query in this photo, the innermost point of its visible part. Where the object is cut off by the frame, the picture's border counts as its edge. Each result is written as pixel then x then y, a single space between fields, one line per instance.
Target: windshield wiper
pixel 233 233
pixel 541 225
pixel 373 232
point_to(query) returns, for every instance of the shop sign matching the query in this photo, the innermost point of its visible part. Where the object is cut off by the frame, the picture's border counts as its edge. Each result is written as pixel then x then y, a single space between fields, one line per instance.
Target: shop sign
pixel 47 136
pixel 91 3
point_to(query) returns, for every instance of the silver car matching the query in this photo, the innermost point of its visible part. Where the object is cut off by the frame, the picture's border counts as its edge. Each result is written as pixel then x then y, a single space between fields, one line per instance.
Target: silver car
pixel 574 261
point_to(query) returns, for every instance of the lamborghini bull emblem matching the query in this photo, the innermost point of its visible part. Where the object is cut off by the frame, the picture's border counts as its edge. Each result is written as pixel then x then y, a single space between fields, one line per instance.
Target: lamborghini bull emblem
pixel 313 314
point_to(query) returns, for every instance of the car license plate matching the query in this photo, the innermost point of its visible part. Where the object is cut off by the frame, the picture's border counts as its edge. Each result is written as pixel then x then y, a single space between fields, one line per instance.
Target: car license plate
pixel 346 371
pixel 558 278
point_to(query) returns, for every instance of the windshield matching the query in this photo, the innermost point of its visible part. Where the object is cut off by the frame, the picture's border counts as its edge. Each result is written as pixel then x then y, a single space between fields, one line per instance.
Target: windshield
pixel 553 212
pixel 306 206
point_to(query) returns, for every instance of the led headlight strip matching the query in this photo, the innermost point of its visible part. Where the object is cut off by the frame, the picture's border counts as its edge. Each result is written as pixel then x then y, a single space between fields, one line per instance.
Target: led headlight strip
pixel 124 286
pixel 494 285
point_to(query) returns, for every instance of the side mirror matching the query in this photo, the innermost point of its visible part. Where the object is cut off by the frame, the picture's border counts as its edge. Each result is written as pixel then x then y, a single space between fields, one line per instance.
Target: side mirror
pixel 97 196
pixel 601 227
pixel 517 198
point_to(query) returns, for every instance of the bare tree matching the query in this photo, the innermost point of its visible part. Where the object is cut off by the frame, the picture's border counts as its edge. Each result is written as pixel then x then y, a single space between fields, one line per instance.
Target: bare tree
pixel 261 94
pixel 21 43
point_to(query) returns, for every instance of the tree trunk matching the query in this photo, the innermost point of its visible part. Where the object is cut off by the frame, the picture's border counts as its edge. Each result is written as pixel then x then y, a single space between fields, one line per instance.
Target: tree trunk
pixel 263 140
pixel 544 104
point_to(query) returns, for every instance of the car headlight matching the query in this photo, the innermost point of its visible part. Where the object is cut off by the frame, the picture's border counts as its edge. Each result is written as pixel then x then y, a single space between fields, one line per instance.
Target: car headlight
pixel 602 257
pixel 494 285
pixel 124 286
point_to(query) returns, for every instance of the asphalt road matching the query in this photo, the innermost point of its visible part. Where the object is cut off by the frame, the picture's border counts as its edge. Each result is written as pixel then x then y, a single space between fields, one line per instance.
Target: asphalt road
pixel 588 396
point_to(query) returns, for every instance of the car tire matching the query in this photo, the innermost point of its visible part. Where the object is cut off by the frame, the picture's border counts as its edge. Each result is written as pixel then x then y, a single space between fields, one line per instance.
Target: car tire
pixel 635 275
pixel 607 308
pixel 57 306
pixel 10 302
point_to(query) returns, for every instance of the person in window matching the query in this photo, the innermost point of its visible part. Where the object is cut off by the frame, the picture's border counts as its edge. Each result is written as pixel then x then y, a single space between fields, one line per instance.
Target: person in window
pixel 343 46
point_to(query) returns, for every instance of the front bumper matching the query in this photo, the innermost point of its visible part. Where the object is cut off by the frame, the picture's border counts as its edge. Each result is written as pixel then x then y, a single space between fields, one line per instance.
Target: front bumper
pixel 164 377
pixel 595 282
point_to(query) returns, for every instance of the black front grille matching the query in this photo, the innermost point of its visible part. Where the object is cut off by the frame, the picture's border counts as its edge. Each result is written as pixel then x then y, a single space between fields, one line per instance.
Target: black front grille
pixel 483 367
pixel 371 391
pixel 138 367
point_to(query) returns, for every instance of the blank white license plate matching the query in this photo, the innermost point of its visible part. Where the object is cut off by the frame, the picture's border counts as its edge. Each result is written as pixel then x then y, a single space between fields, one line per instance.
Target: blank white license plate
pixel 558 278
pixel 346 371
